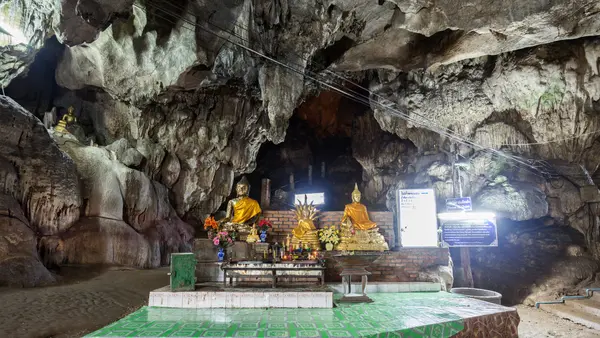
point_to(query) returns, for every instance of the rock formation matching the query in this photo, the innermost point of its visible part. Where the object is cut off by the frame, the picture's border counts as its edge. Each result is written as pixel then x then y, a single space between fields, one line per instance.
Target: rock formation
pixel 509 91
pixel 80 206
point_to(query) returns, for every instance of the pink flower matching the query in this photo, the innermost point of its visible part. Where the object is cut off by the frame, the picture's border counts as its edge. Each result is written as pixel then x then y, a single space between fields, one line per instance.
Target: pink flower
pixel 216 241
pixel 229 240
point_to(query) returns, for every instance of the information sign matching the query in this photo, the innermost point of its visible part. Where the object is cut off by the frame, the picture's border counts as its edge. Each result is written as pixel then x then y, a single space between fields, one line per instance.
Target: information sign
pixel 459 204
pixel 417 217
pixel 468 229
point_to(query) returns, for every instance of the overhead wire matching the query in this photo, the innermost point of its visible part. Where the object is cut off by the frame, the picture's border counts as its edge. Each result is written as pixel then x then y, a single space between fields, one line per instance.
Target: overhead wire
pixel 367 102
pixel 446 131
pixel 385 100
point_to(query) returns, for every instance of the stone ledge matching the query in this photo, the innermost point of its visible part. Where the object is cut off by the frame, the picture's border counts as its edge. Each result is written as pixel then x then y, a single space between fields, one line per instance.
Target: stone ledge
pixel 235 299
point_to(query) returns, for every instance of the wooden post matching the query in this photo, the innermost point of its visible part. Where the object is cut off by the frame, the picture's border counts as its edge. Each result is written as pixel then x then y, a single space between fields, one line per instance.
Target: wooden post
pixel 323 169
pixel 292 183
pixel 465 259
pixel 465 256
pixel 310 174
pixel 265 193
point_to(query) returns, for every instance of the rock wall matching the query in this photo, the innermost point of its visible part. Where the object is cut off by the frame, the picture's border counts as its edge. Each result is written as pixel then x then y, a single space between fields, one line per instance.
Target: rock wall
pixel 178 112
pixel 80 206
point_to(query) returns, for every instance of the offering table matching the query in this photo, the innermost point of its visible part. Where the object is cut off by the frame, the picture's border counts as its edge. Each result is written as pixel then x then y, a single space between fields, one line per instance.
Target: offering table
pixel 274 271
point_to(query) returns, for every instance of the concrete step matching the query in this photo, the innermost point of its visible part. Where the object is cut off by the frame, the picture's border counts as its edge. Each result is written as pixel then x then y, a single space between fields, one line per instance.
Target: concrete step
pixel 590 305
pixel 575 315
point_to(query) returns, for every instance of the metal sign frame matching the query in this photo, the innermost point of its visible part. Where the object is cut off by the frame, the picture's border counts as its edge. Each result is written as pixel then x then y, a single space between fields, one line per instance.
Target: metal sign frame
pixel 399 217
pixel 490 217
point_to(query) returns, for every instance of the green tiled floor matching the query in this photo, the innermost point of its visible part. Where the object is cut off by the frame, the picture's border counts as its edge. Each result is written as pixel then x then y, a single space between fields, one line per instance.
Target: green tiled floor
pixel 437 314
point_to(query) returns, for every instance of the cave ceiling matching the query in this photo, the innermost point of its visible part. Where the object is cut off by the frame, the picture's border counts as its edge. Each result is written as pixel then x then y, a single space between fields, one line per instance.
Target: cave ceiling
pixel 162 76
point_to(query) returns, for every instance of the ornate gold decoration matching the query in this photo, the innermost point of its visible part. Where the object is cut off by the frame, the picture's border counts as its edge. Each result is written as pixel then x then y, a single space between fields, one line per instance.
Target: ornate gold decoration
pixel 242 211
pixel 358 232
pixel 253 236
pixel 306 232
pixel 67 119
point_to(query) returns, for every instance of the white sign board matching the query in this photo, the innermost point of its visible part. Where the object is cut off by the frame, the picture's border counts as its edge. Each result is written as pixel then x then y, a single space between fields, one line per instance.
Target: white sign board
pixel 417 217
pixel 315 199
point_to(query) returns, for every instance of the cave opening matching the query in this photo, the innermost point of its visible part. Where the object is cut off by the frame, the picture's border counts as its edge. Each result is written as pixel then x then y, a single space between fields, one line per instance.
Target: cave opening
pixel 36 89
pixel 319 137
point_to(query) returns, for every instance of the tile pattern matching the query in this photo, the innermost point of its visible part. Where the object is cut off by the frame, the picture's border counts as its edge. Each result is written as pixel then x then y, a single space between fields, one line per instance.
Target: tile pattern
pixel 391 315
pixel 499 325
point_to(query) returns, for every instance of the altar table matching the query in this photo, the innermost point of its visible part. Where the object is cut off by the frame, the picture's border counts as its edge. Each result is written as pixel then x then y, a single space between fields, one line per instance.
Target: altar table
pixel 274 271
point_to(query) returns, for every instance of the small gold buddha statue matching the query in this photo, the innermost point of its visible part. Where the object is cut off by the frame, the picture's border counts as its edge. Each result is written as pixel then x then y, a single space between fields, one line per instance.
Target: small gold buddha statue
pixel 306 232
pixel 253 236
pixel 242 211
pixel 358 232
pixel 67 119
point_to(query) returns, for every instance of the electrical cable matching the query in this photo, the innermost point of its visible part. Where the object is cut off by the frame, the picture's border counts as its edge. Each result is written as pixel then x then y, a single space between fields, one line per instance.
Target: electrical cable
pixel 343 92
pixel 448 133
pixel 367 103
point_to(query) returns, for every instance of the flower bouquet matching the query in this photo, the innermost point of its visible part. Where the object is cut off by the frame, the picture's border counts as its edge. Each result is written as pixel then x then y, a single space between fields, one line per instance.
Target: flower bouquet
pixel 330 235
pixel 223 240
pixel 264 225
pixel 211 226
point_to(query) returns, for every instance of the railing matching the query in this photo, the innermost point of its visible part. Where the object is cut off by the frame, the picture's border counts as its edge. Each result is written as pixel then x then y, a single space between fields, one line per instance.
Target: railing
pixel 588 293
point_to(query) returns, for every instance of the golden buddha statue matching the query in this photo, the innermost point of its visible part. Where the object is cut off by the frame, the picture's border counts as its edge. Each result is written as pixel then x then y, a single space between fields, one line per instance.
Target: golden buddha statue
pixel 253 236
pixel 358 232
pixel 242 211
pixel 306 232
pixel 67 119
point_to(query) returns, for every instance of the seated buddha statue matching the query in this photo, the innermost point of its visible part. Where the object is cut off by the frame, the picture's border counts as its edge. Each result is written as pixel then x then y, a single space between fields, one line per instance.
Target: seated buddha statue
pixel 305 232
pixel 242 211
pixel 67 119
pixel 358 232
pixel 253 236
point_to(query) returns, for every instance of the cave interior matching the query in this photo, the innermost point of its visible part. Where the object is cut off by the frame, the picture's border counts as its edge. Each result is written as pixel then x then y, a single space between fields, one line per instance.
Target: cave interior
pixel 174 117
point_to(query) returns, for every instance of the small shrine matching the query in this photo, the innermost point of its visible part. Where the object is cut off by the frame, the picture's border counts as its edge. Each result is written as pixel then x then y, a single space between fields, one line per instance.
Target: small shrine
pixel 301 246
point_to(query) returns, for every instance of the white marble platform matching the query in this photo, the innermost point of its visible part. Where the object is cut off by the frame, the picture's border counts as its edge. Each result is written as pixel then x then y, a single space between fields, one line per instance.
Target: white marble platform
pixel 390 287
pixel 232 299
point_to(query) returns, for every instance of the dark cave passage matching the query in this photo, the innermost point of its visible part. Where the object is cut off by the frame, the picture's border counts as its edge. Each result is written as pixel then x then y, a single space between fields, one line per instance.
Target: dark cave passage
pixel 319 137
pixel 37 89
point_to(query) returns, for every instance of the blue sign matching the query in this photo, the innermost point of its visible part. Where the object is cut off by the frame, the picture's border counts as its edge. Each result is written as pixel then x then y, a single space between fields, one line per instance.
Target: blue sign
pixel 459 204
pixel 469 232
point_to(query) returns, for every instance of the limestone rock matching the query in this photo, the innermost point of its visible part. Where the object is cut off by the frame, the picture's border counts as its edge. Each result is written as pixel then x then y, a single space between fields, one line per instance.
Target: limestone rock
pixel 106 241
pixel 423 34
pixel 521 203
pixel 443 274
pixel 383 157
pixel 48 182
pixel 73 22
pixel 19 261
pixel 530 264
pixel 130 157
pixel 145 64
pixel 120 193
pixel 170 170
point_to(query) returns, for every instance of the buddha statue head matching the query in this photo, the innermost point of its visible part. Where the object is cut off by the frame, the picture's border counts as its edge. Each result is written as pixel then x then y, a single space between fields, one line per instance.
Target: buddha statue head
pixel 356 194
pixel 70 110
pixel 242 188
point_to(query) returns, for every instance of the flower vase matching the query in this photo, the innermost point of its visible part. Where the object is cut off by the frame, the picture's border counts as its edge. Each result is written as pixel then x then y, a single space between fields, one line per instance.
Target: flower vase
pixel 329 246
pixel 263 236
pixel 221 254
